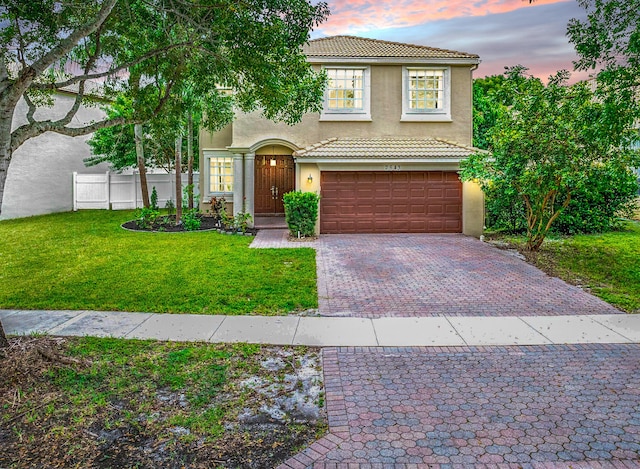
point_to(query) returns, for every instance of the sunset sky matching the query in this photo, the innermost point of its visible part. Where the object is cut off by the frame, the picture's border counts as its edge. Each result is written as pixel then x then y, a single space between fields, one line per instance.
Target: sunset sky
pixel 502 32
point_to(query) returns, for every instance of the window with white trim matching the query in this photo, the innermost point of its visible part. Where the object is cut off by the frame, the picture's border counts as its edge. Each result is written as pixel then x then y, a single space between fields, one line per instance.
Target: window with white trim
pixel 347 94
pixel 425 94
pixel 221 174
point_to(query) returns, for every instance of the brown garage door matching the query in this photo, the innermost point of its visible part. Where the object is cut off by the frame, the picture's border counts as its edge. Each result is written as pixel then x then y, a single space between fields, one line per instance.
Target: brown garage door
pixel 391 202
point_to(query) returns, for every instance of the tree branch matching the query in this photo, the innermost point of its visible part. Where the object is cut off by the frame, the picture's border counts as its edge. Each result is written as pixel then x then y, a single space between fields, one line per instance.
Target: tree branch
pixel 32 108
pixel 93 58
pixel 25 132
pixel 21 42
pixel 113 71
pixel 165 98
pixel 557 213
pixel 74 109
pixel 28 74
pixel 68 43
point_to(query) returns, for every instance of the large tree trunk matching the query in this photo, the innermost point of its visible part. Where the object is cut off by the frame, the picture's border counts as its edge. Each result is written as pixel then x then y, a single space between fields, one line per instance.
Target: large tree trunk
pixel 178 168
pixel 137 131
pixel 4 343
pixel 6 117
pixel 5 159
pixel 190 158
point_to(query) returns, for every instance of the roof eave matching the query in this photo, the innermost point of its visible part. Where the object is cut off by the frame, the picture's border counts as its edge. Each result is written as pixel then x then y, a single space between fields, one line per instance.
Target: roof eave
pixel 377 158
pixel 314 59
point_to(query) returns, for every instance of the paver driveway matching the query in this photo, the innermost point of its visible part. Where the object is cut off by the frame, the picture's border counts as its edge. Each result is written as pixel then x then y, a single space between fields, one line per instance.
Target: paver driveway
pixel 380 275
pixel 573 406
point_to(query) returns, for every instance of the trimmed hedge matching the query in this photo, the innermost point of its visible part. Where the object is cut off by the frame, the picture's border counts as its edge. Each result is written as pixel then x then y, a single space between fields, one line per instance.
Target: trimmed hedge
pixel 301 212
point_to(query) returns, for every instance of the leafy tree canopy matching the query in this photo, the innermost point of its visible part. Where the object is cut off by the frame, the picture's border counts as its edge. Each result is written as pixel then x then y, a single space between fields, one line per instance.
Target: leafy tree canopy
pixel 116 145
pixel 547 144
pixel 608 42
pixel 144 50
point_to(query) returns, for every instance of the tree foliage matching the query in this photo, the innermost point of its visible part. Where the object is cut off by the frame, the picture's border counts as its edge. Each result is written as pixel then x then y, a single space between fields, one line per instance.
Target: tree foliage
pixel 116 145
pixel 608 42
pixel 488 96
pixel 547 145
pixel 144 50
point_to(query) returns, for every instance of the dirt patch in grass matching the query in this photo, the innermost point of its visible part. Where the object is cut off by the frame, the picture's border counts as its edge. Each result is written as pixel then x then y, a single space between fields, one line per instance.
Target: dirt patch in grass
pixel 107 403
pixel 545 260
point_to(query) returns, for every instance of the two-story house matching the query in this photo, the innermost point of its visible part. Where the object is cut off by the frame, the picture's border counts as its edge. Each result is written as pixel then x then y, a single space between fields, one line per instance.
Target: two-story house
pixel 383 154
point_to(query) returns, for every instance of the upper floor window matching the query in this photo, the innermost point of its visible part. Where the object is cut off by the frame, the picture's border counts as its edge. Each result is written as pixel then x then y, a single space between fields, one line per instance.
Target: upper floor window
pixel 425 94
pixel 426 89
pixel 347 94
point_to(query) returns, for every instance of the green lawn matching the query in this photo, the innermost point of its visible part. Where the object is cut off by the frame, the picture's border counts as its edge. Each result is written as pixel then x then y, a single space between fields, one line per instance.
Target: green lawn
pixel 608 264
pixel 84 260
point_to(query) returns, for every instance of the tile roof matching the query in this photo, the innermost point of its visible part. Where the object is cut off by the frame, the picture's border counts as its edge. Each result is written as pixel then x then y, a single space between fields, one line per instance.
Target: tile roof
pixel 359 47
pixel 380 148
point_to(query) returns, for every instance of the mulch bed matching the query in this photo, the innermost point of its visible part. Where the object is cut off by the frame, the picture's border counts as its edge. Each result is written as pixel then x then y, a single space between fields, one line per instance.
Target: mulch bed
pixel 207 224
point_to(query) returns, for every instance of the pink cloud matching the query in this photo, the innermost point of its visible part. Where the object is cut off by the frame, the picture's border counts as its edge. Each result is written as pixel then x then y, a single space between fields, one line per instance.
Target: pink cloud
pixel 358 16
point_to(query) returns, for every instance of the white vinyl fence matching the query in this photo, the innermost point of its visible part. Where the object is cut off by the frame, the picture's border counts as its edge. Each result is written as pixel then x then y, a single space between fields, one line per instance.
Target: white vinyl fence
pixel 122 191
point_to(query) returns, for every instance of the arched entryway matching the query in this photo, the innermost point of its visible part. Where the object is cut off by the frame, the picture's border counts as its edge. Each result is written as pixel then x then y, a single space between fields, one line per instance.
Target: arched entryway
pixel 274 176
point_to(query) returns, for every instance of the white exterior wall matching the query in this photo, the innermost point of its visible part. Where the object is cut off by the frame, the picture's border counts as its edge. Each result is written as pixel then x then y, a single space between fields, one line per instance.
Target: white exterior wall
pixel 40 175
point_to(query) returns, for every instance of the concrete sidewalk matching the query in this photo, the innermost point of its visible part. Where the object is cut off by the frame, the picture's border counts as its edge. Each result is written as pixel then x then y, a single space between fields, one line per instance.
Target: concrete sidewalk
pixel 329 332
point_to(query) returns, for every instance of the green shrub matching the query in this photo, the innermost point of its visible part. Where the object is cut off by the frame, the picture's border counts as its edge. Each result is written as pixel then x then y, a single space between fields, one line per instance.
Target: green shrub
pixel 241 221
pixel 608 195
pixel 187 194
pixel 154 198
pixel 505 210
pixel 171 207
pixel 301 212
pixel 146 217
pixel 225 220
pixel 190 220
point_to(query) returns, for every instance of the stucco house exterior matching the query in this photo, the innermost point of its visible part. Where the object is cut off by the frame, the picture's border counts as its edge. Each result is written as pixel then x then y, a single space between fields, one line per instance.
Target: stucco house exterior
pixel 383 154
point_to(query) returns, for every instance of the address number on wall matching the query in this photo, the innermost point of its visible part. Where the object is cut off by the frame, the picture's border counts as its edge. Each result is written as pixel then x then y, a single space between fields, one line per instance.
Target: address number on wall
pixel 392 167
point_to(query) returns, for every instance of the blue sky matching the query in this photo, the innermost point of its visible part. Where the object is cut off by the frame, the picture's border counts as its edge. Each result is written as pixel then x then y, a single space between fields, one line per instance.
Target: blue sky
pixel 502 32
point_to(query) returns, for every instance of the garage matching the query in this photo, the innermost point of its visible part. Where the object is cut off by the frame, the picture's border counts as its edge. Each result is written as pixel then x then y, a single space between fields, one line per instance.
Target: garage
pixel 390 202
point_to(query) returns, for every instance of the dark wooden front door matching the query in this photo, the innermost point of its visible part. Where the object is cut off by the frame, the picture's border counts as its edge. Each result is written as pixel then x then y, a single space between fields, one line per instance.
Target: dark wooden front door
pixel 275 176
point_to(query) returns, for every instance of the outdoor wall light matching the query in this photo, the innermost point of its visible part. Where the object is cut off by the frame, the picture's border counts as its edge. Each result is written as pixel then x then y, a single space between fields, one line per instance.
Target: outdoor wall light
pixel 273 162
pixel 310 179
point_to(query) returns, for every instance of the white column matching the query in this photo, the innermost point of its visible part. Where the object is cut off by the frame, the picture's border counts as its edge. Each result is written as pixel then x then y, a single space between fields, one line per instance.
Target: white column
pixel 249 182
pixel 238 186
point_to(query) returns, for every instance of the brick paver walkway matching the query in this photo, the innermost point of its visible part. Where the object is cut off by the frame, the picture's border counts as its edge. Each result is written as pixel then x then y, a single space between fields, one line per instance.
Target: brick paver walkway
pixel 278 239
pixel 434 275
pixel 574 406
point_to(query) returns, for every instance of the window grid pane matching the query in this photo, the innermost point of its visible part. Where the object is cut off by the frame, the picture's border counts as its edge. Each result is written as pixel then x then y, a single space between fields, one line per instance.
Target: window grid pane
pixel 345 89
pixel 221 170
pixel 426 90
